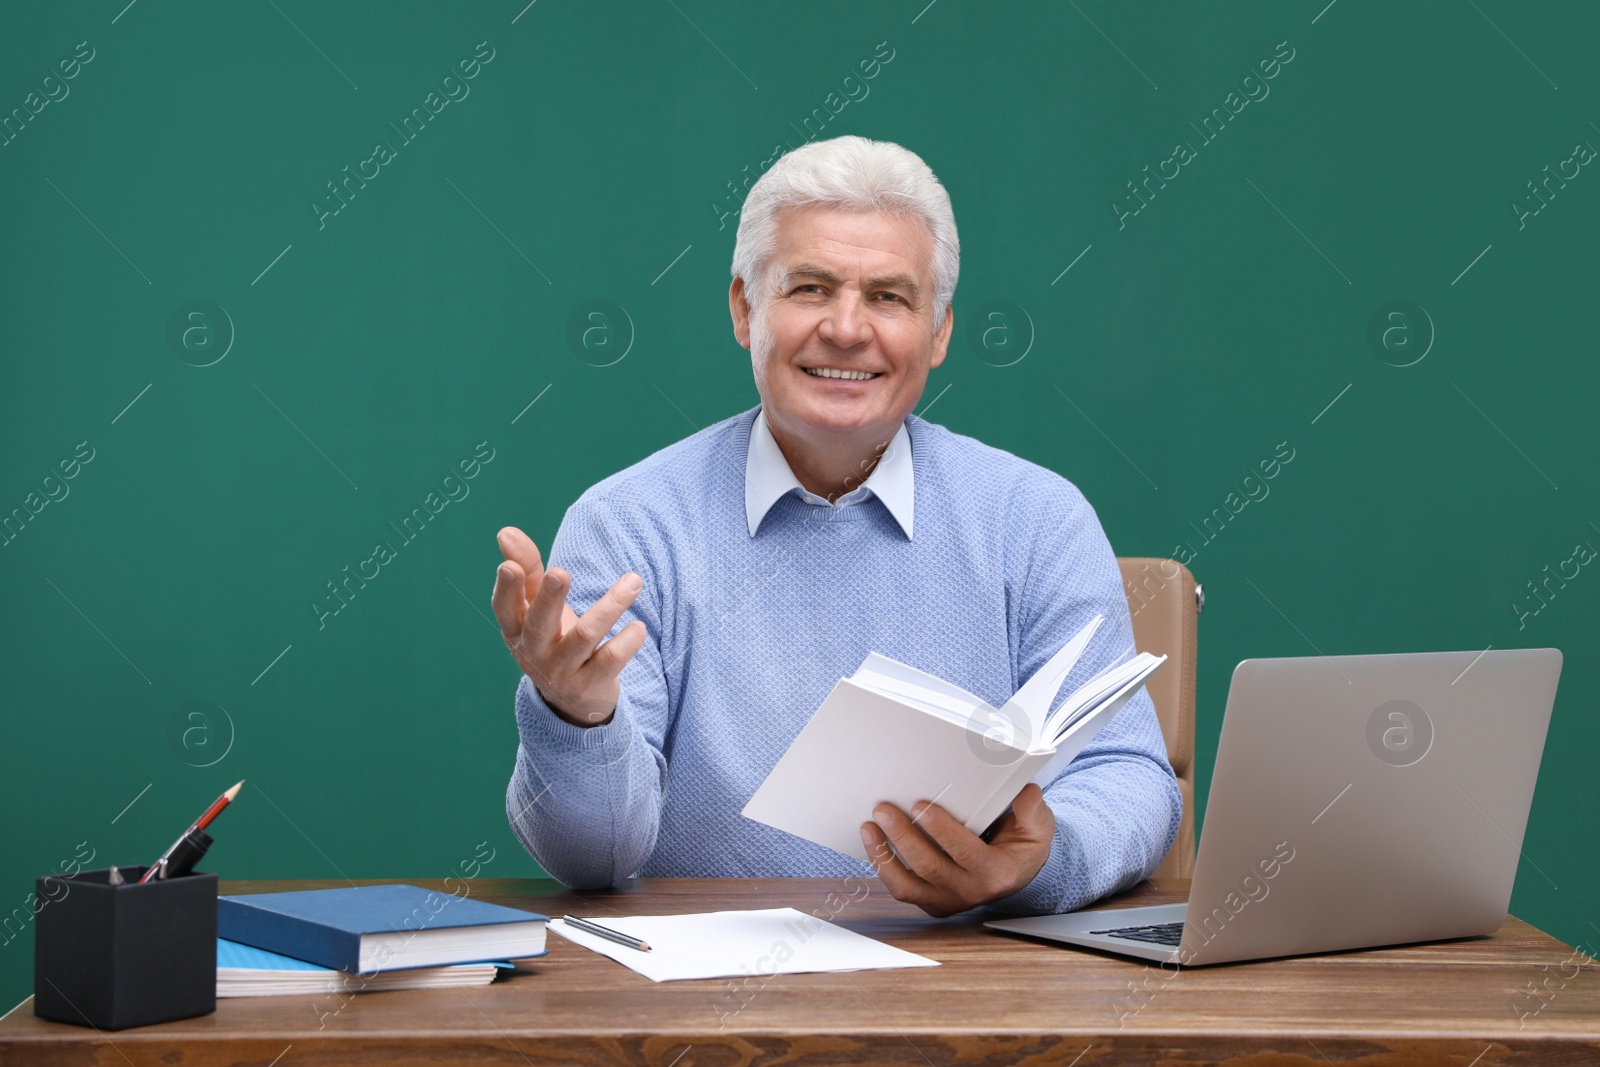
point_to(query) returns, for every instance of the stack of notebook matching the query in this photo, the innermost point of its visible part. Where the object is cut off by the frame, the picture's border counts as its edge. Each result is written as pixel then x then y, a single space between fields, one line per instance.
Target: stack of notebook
pixel 366 938
pixel 243 971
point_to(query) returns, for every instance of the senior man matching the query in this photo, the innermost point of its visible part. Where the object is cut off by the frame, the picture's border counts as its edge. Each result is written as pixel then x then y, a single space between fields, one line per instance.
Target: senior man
pixel 726 582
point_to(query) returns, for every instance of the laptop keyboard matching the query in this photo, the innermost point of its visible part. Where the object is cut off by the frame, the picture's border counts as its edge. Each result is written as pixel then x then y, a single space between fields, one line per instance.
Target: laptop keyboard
pixel 1159 934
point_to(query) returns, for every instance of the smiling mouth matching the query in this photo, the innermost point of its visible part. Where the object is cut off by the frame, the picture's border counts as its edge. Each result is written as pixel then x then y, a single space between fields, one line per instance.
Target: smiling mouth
pixel 846 375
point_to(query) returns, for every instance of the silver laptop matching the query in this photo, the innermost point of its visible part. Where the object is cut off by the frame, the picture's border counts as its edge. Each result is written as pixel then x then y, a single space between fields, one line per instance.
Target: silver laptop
pixel 1356 801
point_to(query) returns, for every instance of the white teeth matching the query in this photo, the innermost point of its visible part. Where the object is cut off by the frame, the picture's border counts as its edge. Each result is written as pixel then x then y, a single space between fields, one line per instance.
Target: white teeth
pixel 848 375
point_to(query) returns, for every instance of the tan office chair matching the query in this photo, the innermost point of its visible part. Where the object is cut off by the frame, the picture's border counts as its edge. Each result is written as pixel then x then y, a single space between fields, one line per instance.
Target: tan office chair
pixel 1164 599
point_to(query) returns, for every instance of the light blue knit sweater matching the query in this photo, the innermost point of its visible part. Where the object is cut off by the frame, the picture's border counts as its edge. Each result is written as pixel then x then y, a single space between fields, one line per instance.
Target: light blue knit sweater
pixel 748 634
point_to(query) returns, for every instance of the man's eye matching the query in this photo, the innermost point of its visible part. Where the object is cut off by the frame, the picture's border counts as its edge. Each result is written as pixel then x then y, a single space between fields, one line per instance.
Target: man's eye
pixel 892 296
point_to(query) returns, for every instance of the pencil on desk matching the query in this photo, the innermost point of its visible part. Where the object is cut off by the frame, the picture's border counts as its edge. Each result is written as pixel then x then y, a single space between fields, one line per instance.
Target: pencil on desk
pixel 610 935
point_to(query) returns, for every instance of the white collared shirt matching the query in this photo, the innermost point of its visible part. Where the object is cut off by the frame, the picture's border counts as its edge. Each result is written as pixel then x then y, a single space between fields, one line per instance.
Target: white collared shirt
pixel 768 477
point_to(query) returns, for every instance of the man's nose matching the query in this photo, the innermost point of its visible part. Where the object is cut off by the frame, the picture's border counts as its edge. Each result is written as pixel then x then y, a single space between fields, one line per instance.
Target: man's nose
pixel 846 322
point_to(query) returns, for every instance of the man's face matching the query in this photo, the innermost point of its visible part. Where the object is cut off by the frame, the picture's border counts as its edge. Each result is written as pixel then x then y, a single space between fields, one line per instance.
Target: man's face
pixel 848 292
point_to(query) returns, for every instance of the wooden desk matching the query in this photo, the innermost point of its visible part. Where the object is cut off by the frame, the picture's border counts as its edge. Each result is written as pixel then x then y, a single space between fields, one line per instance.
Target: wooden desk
pixel 997 999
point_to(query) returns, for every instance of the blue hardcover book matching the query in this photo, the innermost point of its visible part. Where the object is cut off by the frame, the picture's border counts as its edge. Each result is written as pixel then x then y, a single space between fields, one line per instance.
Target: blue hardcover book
pixel 363 929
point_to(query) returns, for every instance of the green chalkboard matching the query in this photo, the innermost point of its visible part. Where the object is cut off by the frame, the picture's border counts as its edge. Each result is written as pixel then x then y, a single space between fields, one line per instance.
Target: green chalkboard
pixel 284 282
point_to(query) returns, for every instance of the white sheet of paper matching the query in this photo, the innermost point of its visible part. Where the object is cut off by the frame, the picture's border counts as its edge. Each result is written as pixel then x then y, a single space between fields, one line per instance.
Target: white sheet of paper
pixel 732 944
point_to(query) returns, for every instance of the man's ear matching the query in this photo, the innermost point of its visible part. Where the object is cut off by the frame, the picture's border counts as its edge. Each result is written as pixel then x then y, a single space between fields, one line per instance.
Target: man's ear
pixel 941 336
pixel 739 308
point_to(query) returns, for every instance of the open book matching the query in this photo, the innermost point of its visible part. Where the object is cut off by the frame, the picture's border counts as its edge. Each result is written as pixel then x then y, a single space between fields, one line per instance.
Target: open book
pixel 891 732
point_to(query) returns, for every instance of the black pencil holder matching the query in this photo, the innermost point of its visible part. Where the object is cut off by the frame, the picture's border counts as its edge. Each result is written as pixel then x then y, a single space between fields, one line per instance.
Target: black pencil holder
pixel 115 956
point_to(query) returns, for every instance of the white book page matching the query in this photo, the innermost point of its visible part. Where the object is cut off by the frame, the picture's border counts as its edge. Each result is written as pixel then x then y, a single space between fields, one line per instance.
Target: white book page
pixel 451 944
pixel 894 733
pixel 1098 689
pixel 1090 723
pixel 862 748
pixel 926 700
pixel 1029 705
pixel 942 698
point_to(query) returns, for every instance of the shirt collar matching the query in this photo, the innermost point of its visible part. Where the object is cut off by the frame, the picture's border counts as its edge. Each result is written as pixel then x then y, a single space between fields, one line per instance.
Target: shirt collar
pixel 768 477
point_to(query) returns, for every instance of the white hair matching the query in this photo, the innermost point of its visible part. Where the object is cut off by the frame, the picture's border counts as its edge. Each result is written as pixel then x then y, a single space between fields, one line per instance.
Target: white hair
pixel 855 174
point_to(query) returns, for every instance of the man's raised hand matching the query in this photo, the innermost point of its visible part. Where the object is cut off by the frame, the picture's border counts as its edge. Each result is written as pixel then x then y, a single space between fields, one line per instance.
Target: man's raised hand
pixel 559 651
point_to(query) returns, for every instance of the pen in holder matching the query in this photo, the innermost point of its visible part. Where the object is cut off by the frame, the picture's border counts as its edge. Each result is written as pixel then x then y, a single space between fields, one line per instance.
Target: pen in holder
pixel 113 956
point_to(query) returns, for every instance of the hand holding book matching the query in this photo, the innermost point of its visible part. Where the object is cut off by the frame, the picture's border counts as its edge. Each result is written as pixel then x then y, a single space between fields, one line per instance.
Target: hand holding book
pixel 968 760
pixel 929 859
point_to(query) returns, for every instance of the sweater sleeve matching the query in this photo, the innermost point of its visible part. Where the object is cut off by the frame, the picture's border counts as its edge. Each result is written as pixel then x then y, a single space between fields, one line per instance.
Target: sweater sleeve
pixel 585 801
pixel 1117 804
